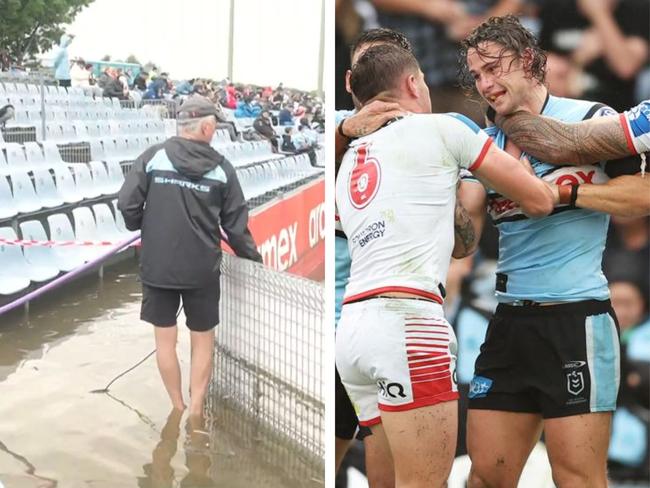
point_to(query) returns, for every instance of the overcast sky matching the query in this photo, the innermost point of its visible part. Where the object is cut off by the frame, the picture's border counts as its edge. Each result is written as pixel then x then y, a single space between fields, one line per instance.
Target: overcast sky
pixel 275 40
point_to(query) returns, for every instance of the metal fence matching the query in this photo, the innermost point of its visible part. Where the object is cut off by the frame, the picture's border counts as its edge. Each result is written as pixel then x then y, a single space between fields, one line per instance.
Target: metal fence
pixel 269 363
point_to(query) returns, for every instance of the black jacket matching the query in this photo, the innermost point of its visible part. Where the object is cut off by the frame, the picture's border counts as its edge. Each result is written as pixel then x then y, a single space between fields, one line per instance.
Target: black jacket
pixel 179 193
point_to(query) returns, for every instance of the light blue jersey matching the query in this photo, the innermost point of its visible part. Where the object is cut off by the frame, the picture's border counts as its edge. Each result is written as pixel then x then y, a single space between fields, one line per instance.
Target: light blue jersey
pixel 555 258
pixel 342 266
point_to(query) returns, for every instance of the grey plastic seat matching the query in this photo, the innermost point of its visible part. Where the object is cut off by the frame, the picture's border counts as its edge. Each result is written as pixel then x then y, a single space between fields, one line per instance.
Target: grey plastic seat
pixel 100 177
pixel 85 229
pixel 16 158
pixel 34 154
pixel 106 226
pixel 7 205
pixel 65 184
pixel 115 176
pixel 67 257
pixel 13 266
pixel 84 181
pixel 51 152
pixel 46 188
pixel 25 197
pixel 41 259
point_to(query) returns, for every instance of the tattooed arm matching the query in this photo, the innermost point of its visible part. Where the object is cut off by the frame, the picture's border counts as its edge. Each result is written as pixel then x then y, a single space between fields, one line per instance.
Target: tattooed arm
pixel 468 224
pixel 370 118
pixel 550 140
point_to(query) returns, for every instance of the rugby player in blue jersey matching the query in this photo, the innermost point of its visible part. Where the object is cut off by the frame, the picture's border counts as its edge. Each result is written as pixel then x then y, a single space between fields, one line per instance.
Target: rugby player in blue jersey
pixel 550 360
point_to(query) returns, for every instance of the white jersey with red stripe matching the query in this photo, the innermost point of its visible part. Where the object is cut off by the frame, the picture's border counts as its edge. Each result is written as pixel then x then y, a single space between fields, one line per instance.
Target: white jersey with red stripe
pixel 396 193
pixel 636 123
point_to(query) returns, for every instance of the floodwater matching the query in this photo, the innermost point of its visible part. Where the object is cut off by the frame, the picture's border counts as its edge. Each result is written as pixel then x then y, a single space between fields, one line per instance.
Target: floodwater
pixel 55 433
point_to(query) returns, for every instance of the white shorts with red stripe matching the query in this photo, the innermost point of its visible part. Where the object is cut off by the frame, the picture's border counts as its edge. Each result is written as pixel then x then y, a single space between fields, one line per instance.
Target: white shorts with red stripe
pixel 395 354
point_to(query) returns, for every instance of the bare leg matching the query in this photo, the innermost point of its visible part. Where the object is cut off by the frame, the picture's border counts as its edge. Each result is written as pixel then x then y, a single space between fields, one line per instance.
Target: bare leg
pixel 499 444
pixel 379 461
pixel 170 370
pixel 201 369
pixel 577 449
pixel 341 447
pixel 423 443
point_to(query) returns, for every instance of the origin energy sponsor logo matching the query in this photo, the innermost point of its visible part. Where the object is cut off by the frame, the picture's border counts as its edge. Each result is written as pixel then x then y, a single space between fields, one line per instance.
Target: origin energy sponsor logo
pixel 373 231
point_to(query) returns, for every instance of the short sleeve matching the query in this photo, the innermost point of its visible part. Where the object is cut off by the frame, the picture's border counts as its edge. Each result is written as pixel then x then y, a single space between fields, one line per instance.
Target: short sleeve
pixel 465 140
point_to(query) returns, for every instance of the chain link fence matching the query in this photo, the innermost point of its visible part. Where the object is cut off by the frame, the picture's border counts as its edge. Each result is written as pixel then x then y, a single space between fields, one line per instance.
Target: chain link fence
pixel 269 363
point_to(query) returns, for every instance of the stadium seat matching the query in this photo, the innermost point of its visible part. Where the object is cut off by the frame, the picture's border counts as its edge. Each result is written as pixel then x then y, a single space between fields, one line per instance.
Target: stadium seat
pixel 7 205
pixel 35 156
pixel 85 229
pixel 16 158
pixel 66 258
pixel 97 150
pixel 119 221
pixel 106 226
pixel 46 189
pixel 51 152
pixel 25 197
pixel 84 181
pixel 100 177
pixel 40 259
pixel 66 185
pixel 13 266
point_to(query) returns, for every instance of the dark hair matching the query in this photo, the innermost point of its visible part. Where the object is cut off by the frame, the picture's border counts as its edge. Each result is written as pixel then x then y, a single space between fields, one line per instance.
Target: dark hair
pixel 381 35
pixel 378 70
pixel 514 38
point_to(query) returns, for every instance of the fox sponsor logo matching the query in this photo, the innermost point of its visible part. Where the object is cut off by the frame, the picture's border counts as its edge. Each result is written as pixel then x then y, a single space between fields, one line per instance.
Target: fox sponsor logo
pixel 373 231
pixel 577 175
pixel 279 251
pixel 390 390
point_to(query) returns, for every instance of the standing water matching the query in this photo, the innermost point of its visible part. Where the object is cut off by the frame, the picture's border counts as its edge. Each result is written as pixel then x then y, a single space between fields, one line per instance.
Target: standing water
pixel 55 433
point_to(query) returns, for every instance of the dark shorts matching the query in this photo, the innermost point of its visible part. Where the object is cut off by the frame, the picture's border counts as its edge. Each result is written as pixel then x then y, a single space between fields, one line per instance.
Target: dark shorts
pixel 557 361
pixel 346 418
pixel 200 305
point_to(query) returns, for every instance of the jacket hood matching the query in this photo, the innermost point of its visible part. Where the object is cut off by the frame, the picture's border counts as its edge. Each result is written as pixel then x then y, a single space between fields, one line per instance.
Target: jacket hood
pixel 65 40
pixel 192 158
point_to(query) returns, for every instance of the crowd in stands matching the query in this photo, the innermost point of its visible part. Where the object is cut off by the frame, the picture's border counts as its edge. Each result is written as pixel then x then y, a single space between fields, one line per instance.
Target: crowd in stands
pixel 583 62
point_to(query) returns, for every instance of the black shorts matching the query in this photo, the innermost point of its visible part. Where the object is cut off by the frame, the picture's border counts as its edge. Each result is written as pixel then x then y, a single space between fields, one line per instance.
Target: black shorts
pixel 200 305
pixel 346 418
pixel 558 360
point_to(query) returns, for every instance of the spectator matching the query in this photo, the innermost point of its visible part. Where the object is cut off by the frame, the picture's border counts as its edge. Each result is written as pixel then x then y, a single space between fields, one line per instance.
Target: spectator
pixel 104 78
pixel 182 194
pixel 113 87
pixel 285 117
pixel 157 88
pixel 247 109
pixel 263 127
pixel 91 76
pixel 287 141
pixel 124 80
pixel 61 62
pixel 596 48
pixel 79 75
pixel 140 82
pixel 231 99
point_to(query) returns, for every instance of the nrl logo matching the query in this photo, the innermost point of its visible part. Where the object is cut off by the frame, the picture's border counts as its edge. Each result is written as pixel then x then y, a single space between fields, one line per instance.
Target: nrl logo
pixel 575 382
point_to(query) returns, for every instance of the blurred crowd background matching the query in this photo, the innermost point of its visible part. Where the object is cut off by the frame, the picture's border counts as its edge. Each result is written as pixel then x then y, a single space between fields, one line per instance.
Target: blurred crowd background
pixel 580 65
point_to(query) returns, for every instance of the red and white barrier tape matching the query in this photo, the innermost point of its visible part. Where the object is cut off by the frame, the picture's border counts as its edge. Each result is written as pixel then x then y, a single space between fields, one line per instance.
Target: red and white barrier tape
pixel 35 243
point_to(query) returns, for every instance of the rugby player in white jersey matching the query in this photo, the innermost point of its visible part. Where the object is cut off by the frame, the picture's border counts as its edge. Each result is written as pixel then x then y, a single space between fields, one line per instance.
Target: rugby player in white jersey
pixel 396 195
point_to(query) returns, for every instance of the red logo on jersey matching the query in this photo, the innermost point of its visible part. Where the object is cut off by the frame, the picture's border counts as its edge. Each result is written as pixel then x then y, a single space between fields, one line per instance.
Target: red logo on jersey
pixel 364 179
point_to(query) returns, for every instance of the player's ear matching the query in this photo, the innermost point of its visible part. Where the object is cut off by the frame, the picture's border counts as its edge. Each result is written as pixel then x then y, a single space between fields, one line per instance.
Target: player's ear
pixel 412 85
pixel 348 73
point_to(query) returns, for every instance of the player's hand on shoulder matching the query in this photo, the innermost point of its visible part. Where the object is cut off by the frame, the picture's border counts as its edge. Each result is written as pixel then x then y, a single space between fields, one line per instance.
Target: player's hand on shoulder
pixel 370 118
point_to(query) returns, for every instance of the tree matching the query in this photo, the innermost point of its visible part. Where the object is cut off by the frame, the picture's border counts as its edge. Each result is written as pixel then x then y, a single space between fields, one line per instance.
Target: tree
pixel 132 59
pixel 29 27
pixel 106 57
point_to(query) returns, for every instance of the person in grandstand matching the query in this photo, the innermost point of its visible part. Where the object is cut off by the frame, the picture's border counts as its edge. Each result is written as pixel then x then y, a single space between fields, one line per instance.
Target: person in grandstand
pixel 180 193
pixel 62 62
pixel 551 356
pixel 396 197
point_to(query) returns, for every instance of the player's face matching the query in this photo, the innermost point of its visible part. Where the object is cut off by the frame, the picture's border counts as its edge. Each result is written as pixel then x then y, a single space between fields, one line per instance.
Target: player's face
pixel 499 77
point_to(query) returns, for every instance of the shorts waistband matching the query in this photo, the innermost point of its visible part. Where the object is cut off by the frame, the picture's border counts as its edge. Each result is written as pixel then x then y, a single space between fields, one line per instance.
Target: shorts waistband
pixel 586 307
pixel 363 299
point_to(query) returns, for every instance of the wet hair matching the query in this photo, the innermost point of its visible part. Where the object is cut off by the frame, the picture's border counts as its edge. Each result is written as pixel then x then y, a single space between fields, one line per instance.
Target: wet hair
pixel 379 69
pixel 514 38
pixel 383 36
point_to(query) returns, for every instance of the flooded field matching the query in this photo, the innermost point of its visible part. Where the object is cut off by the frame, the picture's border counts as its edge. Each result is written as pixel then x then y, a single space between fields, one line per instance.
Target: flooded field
pixel 55 433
